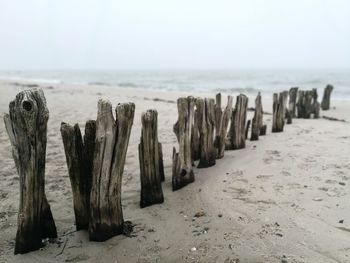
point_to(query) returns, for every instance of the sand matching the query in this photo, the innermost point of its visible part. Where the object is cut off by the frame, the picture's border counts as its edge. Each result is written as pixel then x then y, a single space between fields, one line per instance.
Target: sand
pixel 281 199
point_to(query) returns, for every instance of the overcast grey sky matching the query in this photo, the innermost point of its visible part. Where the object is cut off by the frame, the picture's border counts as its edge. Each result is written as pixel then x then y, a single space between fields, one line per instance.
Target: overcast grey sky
pixel 154 34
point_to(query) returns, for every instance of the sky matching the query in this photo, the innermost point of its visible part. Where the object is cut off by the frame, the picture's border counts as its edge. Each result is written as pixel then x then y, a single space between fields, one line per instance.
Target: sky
pixel 174 34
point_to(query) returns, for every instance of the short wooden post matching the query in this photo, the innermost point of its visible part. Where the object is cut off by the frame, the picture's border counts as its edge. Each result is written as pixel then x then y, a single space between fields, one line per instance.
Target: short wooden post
pixel 326 100
pixel 182 161
pixel 293 92
pixel 236 135
pixel 247 129
pixel 206 131
pixel 112 138
pixel 26 125
pixel 79 155
pixel 150 177
pixel 221 131
pixel 278 112
pixel 218 113
pixel 263 130
pixel 257 119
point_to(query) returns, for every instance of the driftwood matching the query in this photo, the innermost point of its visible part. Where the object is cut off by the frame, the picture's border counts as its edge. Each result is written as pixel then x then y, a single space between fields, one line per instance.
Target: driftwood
pixel 257 119
pixel 333 119
pixel 221 131
pixel 236 136
pixel 326 100
pixel 26 125
pixel 79 155
pixel 182 173
pixel 206 131
pixel 150 175
pixel 112 138
pixel 279 102
pixel 293 92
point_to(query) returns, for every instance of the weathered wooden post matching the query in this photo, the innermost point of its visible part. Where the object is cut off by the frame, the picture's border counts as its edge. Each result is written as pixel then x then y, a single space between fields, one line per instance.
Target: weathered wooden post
pixel 221 131
pixel 111 144
pixel 293 92
pixel 182 173
pixel 195 136
pixel 257 119
pixel 150 174
pixel 315 104
pixel 325 104
pixel 278 112
pixel 206 131
pixel 26 125
pixel 79 155
pixel 263 130
pixel 304 105
pixel 236 136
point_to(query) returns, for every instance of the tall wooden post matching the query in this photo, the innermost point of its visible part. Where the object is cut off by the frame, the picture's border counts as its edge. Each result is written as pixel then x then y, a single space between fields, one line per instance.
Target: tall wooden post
pixel 79 155
pixel 206 131
pixel 326 100
pixel 150 174
pixel 112 138
pixel 278 112
pixel 221 131
pixel 257 119
pixel 236 135
pixel 182 161
pixel 26 125
pixel 293 92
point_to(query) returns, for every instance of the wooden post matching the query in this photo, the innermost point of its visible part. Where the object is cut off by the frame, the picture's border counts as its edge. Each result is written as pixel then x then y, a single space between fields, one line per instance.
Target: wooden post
pixel 315 104
pixel 278 112
pixel 325 104
pixel 236 136
pixel 206 131
pixel 195 136
pixel 305 103
pixel 218 113
pixel 151 187
pixel 222 130
pixel 293 92
pixel 79 156
pixel 263 130
pixel 247 129
pixel 182 161
pixel 161 163
pixel 257 119
pixel 112 138
pixel 26 125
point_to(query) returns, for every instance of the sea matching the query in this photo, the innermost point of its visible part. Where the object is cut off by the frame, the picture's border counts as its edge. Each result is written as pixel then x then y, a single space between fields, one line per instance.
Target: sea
pixel 234 81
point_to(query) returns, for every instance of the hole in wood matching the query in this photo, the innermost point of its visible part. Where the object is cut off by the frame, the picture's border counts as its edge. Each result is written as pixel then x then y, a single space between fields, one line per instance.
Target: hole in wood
pixel 26 105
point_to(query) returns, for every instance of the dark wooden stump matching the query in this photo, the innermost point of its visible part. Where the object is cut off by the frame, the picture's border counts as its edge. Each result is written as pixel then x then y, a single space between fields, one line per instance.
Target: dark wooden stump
pixel 161 163
pixel 293 93
pixel 279 106
pixel 206 131
pixel 182 161
pixel 195 136
pixel 221 131
pixel 112 138
pixel 257 119
pixel 218 113
pixel 305 103
pixel 26 125
pixel 247 129
pixel 326 100
pixel 315 104
pixel 263 130
pixel 236 135
pixel 79 156
pixel 150 175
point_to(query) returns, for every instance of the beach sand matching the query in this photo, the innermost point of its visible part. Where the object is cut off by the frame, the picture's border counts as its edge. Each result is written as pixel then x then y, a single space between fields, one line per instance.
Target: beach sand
pixel 284 198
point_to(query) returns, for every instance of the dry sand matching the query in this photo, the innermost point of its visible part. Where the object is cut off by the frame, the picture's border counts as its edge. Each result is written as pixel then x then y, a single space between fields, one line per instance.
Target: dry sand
pixel 281 199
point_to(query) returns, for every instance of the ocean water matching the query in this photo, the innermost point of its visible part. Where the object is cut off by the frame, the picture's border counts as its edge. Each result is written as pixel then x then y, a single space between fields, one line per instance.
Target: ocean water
pixel 225 81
